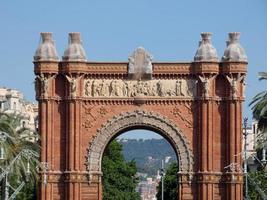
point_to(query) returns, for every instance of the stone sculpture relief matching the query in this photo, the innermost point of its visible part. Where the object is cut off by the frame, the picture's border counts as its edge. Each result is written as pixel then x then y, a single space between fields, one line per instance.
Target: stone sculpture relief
pixel 132 88
pixel 206 82
pixel 234 84
pixel 72 85
pixel 44 85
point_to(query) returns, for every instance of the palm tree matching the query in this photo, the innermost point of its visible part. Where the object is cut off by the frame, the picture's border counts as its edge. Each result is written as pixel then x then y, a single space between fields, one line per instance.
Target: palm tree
pixel 18 156
pixel 259 108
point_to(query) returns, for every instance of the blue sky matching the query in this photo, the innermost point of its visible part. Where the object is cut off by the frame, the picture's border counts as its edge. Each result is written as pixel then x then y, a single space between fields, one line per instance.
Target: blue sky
pixel 111 30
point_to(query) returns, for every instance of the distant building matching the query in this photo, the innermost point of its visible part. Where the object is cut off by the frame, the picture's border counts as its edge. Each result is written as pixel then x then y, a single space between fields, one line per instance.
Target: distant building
pixel 148 189
pixel 253 144
pixel 251 138
pixel 13 102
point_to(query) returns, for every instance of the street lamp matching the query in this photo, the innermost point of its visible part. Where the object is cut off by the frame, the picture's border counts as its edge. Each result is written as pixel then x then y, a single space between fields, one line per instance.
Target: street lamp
pixel 162 179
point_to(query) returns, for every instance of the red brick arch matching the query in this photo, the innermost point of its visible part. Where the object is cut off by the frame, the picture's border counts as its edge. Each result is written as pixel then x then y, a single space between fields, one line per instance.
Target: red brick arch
pixel 83 103
pixel 140 118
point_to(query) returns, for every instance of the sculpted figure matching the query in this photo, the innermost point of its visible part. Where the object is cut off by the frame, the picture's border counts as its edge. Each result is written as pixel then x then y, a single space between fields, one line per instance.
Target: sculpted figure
pixel 178 88
pixel 206 85
pixel 125 89
pixel 142 88
pixel 234 84
pixel 95 89
pixel 73 85
pixel 152 89
pixel 160 87
pixel 234 88
pixel 104 89
pixel 88 88
pixel 44 84
pixel 115 88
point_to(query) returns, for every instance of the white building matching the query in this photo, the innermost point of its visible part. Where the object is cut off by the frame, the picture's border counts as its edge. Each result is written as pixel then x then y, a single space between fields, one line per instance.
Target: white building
pixel 13 102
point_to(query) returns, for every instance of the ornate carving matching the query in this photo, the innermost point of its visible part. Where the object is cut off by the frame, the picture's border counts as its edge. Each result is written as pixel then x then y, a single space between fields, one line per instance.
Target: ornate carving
pixel 44 85
pixel 87 124
pixel 131 88
pixel 234 81
pixel 145 119
pixel 88 88
pixel 102 111
pixel 91 114
pixel 72 85
pixel 206 82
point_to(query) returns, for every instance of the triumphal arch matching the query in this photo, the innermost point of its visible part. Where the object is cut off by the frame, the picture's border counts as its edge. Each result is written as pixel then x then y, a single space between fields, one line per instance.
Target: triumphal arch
pixel 196 106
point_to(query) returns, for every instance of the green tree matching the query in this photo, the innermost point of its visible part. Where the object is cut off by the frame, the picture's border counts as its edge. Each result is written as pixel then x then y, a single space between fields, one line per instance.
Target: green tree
pixel 259 108
pixel 257 179
pixel 170 183
pixel 19 157
pixel 119 181
pixel 257 184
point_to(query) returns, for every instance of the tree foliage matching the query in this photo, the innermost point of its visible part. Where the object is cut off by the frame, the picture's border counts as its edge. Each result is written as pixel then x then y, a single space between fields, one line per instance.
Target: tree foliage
pixel 170 183
pixel 259 108
pixel 257 179
pixel 19 156
pixel 119 181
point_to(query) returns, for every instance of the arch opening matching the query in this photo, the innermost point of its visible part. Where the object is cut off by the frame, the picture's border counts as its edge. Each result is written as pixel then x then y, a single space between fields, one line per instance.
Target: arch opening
pixel 144 130
pixel 146 155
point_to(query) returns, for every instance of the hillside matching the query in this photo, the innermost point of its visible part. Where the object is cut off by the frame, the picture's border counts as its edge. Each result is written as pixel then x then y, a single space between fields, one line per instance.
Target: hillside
pixel 148 153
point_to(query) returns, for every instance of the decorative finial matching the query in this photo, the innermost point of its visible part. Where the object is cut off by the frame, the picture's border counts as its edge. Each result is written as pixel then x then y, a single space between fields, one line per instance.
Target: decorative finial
pixel 234 51
pixel 206 52
pixel 46 51
pixel 75 50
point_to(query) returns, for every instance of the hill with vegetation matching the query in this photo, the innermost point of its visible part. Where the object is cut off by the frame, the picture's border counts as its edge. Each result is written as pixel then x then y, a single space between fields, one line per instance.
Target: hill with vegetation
pixel 148 154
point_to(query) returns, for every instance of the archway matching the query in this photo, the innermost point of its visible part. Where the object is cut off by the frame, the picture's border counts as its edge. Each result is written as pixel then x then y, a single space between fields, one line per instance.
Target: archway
pixel 131 120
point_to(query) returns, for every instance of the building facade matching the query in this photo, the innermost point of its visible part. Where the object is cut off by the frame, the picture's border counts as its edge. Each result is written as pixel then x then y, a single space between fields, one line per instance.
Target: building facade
pixel 13 102
pixel 196 106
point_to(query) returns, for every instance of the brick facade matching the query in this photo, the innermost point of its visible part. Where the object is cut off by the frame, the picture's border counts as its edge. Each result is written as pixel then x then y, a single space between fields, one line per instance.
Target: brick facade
pixel 211 125
pixel 204 128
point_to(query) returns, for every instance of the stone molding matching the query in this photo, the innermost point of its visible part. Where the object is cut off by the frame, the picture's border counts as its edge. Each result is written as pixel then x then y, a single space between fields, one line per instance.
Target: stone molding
pixel 139 118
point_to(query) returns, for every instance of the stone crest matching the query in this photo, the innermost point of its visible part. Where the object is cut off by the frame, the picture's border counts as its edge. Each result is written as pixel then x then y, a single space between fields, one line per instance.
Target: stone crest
pixel 140 64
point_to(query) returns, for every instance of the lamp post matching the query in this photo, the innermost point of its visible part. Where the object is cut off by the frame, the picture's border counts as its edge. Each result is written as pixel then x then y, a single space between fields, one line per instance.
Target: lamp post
pixel 162 179
pixel 245 123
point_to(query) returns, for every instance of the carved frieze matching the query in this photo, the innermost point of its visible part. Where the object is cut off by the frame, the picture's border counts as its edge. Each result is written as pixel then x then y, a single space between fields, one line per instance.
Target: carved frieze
pixel 133 88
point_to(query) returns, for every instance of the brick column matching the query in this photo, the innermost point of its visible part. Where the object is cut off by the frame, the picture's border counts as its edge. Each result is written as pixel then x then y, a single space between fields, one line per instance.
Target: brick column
pixel 46 124
pixel 74 146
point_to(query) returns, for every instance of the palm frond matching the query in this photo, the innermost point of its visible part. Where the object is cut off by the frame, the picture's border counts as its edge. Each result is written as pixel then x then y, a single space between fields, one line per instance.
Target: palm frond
pixel 262 75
